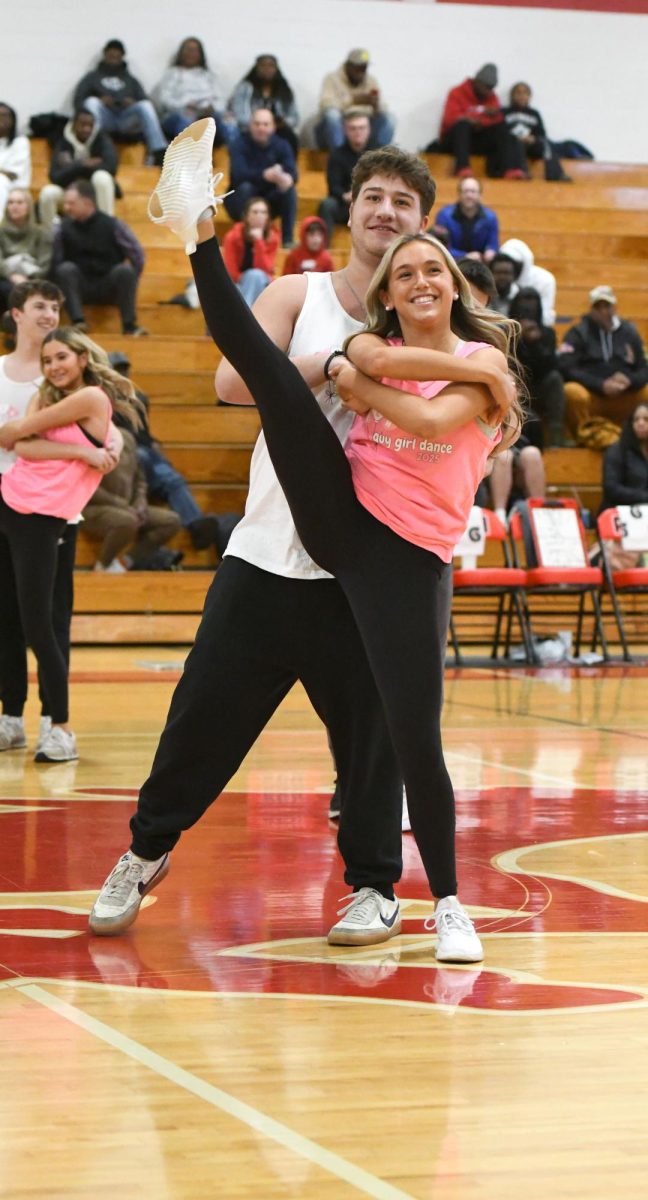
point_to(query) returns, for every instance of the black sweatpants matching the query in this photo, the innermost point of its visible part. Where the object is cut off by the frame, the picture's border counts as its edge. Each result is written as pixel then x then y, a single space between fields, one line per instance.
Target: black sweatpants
pixel 28 561
pixel 393 587
pixel 13 649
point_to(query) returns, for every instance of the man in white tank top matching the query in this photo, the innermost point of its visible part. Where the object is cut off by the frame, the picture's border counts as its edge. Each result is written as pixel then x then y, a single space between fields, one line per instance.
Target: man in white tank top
pixel 273 617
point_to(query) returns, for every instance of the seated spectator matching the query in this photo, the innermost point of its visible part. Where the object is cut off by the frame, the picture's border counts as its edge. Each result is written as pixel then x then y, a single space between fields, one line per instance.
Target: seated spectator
pixel 263 164
pixel 527 274
pixel 15 156
pixel 334 210
pixel 602 359
pixel 119 513
pixel 96 259
pixel 527 126
pixel 625 481
pixel 625 463
pixel 517 474
pixel 118 101
pixel 83 152
pixel 504 270
pixel 480 281
pixel 25 247
pixel 311 254
pixel 162 480
pixel 250 250
pixel 351 87
pixel 265 87
pixel 473 123
pixel 189 90
pixel 471 230
pixel 536 353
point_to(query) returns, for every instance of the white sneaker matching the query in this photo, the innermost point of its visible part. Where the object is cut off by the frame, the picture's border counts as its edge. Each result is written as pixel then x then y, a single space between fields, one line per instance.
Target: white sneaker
pixel 186 187
pixel 367 918
pixel 59 746
pixel 457 939
pixel 44 731
pixel 118 902
pixel 12 733
pixel 115 567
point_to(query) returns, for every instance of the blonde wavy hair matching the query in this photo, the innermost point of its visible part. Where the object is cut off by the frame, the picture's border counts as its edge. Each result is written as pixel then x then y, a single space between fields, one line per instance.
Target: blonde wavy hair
pixel 97 372
pixel 467 321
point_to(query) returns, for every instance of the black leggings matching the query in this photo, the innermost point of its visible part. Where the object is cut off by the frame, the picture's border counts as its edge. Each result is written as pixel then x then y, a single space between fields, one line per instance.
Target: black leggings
pixel 392 586
pixel 28 561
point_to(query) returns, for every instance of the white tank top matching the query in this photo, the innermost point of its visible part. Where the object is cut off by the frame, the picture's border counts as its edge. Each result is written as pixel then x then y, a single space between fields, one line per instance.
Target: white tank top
pixel 266 537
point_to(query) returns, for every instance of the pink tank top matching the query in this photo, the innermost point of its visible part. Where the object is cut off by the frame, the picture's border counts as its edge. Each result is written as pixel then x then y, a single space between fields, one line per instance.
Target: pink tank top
pixel 422 489
pixel 53 487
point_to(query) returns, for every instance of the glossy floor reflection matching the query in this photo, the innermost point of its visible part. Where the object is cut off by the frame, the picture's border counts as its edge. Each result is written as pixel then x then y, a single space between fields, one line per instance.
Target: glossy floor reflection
pixel 221 1048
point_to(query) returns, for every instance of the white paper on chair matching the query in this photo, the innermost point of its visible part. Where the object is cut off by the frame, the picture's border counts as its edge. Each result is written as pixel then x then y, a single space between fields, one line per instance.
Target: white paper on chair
pixel 558 537
pixel 633 521
pixel 472 542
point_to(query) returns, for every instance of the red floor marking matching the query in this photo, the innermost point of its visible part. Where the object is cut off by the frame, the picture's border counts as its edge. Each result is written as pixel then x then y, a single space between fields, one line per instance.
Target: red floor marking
pixel 265 868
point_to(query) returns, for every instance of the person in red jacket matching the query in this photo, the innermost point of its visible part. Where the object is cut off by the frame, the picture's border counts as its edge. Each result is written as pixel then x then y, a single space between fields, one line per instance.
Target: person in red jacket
pixel 311 254
pixel 250 249
pixel 473 123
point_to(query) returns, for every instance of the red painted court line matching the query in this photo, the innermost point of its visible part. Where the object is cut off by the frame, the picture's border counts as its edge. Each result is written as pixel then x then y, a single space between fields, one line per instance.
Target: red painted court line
pixel 120 677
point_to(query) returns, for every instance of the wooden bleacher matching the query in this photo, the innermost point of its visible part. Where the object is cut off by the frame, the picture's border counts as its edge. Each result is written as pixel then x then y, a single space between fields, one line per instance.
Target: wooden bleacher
pixel 587 232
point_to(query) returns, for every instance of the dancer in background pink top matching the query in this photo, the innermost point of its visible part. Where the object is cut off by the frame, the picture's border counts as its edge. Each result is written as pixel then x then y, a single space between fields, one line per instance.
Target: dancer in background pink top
pixel 391 582
pixel 73 408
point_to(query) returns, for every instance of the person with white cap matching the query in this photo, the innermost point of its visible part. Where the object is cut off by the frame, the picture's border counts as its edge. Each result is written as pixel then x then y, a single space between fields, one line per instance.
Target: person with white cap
pixel 603 361
pixel 350 86
pixel 473 123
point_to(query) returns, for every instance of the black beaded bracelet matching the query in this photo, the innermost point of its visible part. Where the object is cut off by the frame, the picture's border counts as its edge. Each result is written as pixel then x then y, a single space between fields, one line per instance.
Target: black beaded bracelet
pixel 334 354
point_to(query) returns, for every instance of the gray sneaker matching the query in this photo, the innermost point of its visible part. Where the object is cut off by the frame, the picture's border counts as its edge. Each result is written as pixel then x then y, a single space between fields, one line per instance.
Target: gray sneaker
pixel 59 746
pixel 12 733
pixel 118 902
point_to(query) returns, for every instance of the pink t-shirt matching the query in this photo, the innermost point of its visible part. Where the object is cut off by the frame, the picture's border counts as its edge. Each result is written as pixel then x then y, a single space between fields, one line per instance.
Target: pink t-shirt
pixel 422 489
pixel 53 487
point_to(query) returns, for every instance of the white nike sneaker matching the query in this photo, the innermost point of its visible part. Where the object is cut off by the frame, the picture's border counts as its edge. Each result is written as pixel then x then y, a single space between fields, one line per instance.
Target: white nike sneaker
pixel 367 918
pixel 186 186
pixel 118 902
pixel 457 939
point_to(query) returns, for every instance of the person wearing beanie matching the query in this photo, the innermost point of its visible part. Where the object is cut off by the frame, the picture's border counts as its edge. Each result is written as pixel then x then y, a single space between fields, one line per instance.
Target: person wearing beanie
pixel 118 101
pixel 473 123
pixel 311 254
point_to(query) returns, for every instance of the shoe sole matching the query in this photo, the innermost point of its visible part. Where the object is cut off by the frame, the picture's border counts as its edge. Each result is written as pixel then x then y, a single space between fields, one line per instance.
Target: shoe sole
pixel 41 757
pixel 191 133
pixel 457 958
pixel 105 927
pixel 363 937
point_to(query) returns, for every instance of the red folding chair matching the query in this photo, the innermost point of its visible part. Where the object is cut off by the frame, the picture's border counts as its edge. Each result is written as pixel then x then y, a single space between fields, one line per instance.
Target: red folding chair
pixel 557 563
pixel 629 527
pixel 504 584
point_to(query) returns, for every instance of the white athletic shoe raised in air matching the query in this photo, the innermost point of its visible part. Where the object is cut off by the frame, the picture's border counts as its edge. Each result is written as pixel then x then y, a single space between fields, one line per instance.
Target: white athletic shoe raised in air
pixel 366 919
pixel 457 939
pixel 186 186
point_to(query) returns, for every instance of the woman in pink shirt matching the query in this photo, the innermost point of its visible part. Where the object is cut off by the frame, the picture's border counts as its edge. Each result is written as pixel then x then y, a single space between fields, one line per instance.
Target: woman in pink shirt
pixel 72 408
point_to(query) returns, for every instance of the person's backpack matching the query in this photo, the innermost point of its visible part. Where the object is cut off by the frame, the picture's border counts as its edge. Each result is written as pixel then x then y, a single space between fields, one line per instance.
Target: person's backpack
pixel 48 125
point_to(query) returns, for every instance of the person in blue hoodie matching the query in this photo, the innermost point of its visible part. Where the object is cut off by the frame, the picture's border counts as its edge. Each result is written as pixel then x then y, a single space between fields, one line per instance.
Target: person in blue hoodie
pixel 467 228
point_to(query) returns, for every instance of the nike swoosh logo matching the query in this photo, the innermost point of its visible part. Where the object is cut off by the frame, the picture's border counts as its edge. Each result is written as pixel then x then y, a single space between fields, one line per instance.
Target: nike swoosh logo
pixel 389 921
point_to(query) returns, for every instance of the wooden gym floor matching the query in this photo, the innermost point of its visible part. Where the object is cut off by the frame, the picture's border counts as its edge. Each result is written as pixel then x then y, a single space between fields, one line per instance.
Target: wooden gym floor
pixel 222 1049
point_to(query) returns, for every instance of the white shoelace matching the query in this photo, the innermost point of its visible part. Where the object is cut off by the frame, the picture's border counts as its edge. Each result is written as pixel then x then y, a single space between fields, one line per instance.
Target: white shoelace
pixel 359 905
pixel 448 919
pixel 123 879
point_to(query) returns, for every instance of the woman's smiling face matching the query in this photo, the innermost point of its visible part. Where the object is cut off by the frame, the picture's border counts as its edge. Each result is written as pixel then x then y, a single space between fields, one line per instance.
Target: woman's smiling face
pixel 421 286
